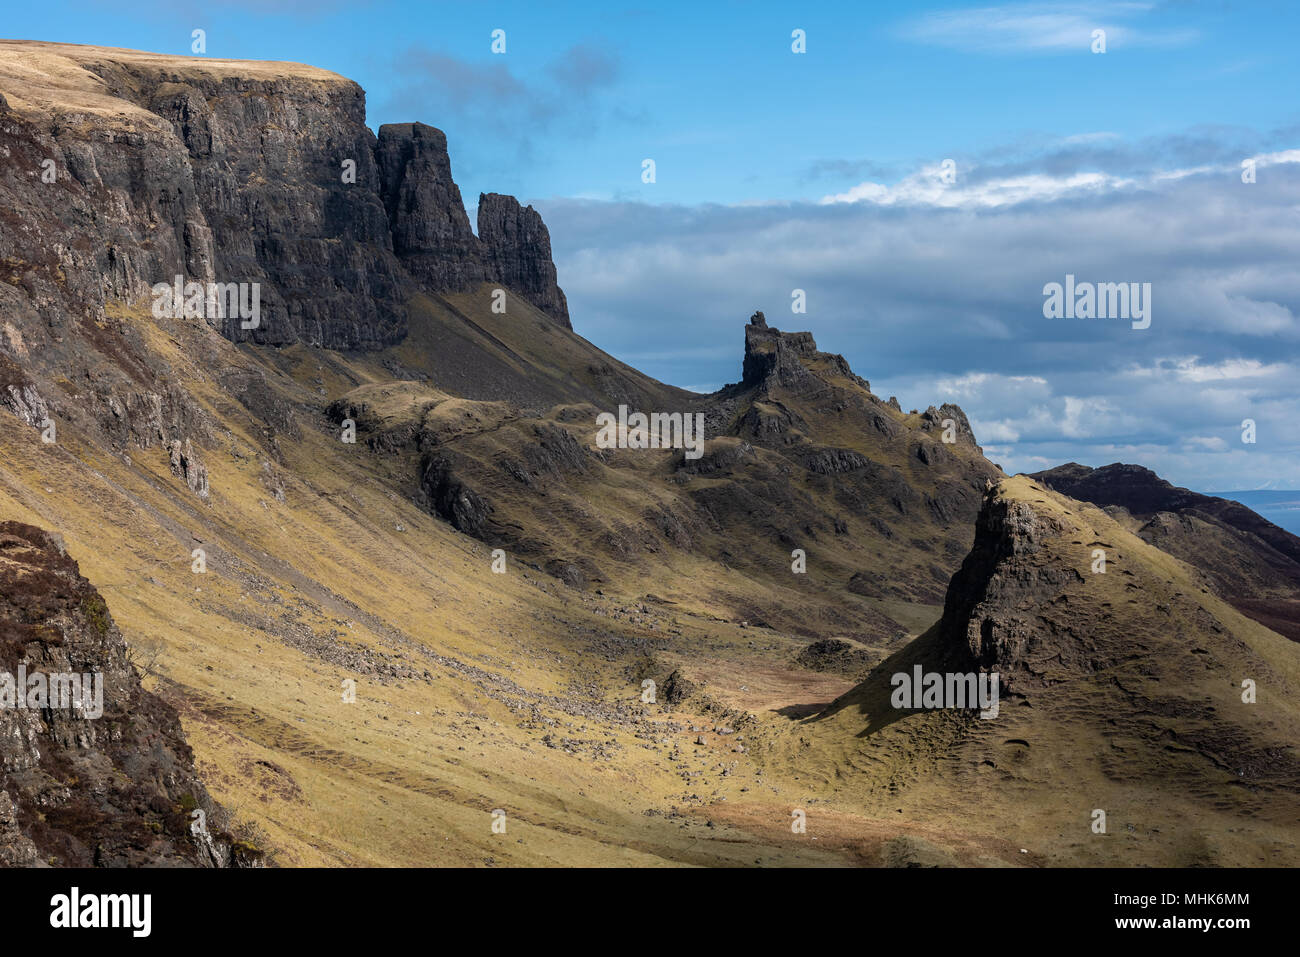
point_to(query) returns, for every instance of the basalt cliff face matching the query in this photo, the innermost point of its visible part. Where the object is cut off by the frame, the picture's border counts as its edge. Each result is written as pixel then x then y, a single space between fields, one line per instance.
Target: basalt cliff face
pixel 517 247
pixel 129 173
pixel 122 171
pixel 110 780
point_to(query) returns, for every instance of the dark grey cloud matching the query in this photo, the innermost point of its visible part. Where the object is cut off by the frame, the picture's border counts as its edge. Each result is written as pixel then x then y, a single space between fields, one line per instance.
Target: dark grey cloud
pixel 585 69
pixel 848 169
pixel 562 98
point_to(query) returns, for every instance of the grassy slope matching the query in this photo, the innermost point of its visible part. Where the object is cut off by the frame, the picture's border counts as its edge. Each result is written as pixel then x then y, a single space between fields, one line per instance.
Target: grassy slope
pixel 321 586
pixel 304 592
pixel 740 524
pixel 1188 773
pixel 254 651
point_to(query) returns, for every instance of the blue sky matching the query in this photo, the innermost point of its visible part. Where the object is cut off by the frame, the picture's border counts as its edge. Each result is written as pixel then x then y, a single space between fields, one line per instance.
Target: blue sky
pixel 712 91
pixel 822 171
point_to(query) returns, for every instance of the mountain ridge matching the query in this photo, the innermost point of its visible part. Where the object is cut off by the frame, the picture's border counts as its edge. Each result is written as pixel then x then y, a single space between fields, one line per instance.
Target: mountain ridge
pixel 1254 563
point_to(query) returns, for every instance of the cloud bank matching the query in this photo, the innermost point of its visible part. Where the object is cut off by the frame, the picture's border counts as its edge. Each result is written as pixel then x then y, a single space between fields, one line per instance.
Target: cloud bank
pixel 934 292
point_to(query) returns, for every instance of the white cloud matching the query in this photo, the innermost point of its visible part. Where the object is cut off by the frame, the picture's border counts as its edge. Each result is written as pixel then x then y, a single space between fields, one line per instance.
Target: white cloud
pixel 1038 28
pixel 979 189
pixel 1275 159
pixel 990 432
pixel 927 188
pixel 1079 139
pixel 1190 369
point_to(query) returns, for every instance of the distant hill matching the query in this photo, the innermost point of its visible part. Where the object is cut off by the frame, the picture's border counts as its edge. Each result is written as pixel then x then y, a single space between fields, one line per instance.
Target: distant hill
pixel 1252 562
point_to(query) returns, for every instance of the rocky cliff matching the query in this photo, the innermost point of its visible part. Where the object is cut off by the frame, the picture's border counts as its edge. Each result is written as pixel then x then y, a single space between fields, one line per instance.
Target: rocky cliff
pixel 126 169
pixel 431 233
pixel 77 787
pixel 129 169
pixel 517 247
pixel 127 173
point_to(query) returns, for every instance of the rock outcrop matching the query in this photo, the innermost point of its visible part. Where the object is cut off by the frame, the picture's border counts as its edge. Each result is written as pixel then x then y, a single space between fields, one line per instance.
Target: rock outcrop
pixel 452 499
pixel 933 420
pixel 185 465
pixel 782 358
pixel 19 396
pixel 994 606
pixel 1120 689
pixel 78 787
pixel 771 353
pixel 837 656
pixel 431 232
pixel 517 246
pixel 1032 602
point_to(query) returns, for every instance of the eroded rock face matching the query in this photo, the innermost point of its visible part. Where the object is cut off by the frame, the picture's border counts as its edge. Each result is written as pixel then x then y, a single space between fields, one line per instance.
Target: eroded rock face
pixel 431 233
pixel 452 499
pixel 677 688
pixel 230 178
pixel 76 790
pixel 242 176
pixel 932 420
pixel 185 465
pixel 123 171
pixel 517 246
pixel 992 609
pixel 22 399
pixel 771 354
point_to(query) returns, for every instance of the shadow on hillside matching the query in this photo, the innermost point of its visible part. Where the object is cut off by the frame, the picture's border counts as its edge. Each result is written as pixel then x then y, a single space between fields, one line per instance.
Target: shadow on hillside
pixel 797 712
pixel 872 696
